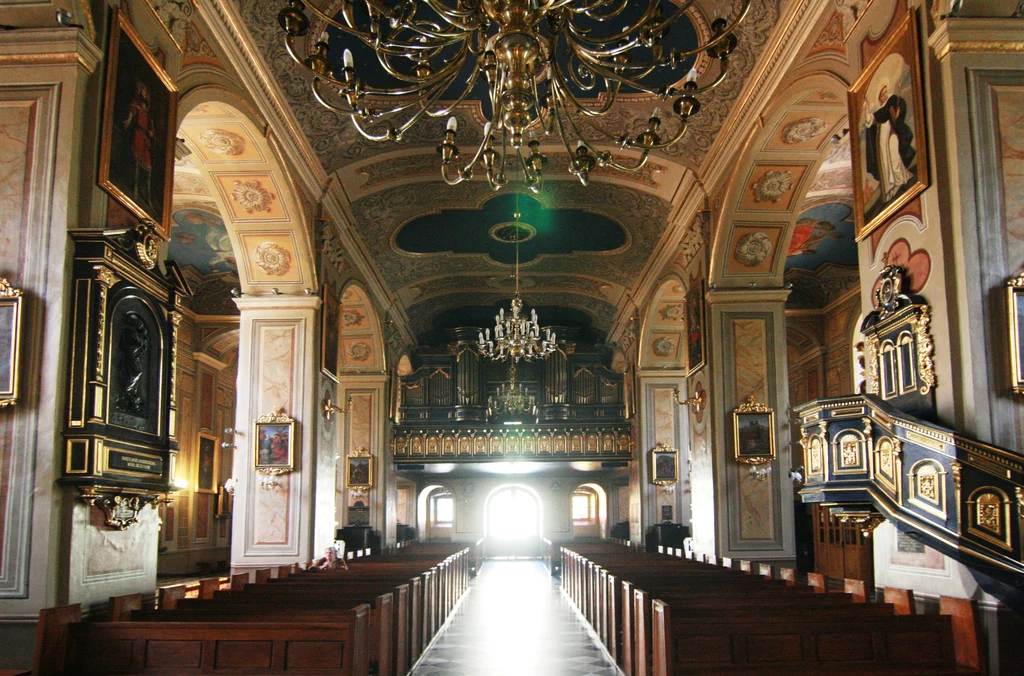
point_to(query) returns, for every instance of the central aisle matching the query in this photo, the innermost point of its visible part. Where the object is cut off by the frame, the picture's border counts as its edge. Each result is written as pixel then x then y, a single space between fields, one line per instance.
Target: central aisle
pixel 515 620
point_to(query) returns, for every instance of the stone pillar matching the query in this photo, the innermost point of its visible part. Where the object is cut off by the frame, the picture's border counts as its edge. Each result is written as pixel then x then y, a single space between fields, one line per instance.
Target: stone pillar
pixel 277 370
pixel 44 74
pixel 663 421
pixel 363 427
pixel 747 354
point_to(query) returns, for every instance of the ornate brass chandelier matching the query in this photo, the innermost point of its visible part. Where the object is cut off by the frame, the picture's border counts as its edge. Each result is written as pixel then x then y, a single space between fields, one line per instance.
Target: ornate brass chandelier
pixel 515 336
pixel 511 399
pixel 547 65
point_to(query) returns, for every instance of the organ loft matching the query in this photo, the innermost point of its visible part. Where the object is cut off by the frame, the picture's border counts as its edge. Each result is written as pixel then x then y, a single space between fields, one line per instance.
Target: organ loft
pixel 539 336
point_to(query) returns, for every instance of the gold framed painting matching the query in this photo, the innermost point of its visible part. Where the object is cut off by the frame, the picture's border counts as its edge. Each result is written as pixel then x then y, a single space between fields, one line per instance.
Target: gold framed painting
pixel 888 142
pixel 137 139
pixel 1015 296
pixel 330 316
pixel 664 465
pixel 753 427
pixel 274 436
pixel 359 469
pixel 10 343
pixel 207 469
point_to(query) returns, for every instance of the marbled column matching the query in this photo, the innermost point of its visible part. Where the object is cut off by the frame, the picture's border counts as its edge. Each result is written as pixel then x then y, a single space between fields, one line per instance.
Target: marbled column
pixel 277 370
pixel 753 519
pixel 663 422
pixel 363 427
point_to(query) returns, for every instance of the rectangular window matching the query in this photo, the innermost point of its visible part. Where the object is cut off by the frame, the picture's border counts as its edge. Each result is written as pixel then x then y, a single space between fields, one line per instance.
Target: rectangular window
pixel 444 509
pixel 582 509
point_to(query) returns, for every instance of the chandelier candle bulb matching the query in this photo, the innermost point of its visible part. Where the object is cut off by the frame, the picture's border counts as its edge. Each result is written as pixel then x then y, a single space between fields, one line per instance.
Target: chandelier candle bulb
pixel 346 57
pixel 324 37
pixel 453 124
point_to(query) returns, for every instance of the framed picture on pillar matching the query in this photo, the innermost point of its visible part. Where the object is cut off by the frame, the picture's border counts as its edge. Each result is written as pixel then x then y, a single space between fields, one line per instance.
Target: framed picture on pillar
pixel 137 139
pixel 694 302
pixel 206 464
pixel 664 465
pixel 275 442
pixel 330 316
pixel 1015 289
pixel 887 133
pixel 753 427
pixel 10 342
pixel 359 469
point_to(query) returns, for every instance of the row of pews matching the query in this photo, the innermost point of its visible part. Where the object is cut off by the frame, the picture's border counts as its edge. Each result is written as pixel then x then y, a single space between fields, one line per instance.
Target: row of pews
pixel 375 618
pixel 659 615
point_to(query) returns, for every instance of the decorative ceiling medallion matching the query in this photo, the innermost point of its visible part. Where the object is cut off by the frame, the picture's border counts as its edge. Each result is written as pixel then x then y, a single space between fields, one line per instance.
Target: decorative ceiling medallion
pixel 772 186
pixel 664 347
pixel 272 258
pixel 359 351
pixel 252 196
pixel 672 313
pixel 511 232
pixel 222 142
pixel 804 130
pixel 752 249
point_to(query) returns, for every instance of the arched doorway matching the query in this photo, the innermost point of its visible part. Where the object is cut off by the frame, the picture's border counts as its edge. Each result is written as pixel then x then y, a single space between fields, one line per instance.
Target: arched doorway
pixel 513 522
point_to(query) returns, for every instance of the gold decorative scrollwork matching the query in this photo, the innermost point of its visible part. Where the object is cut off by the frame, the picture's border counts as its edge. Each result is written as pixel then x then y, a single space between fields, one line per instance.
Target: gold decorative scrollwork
pixel 873 387
pixel 867 521
pixel 925 351
pixel 147 244
pixel 105 278
pixel 120 510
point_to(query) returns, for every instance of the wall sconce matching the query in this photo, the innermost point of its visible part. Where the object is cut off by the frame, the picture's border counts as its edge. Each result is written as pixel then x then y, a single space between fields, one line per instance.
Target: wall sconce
pixel 231 431
pixel 229 486
pixel 698 401
pixel 330 409
pixel 181 484
pixel 227 445
pixel 797 474
pixel 760 473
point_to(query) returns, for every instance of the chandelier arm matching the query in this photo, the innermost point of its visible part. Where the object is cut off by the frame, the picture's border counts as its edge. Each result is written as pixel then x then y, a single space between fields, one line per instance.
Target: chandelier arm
pixel 436 33
pixel 447 110
pixel 652 6
pixel 376 42
pixel 372 91
pixel 322 100
pixel 452 67
pixel 591 10
pixel 425 105
pixel 604 157
pixel 454 16
pixel 577 104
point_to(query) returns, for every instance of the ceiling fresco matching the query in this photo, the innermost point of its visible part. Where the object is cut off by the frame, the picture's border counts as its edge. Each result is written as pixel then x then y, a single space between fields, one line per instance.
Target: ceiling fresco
pixel 823 234
pixel 200 239
pixel 489 229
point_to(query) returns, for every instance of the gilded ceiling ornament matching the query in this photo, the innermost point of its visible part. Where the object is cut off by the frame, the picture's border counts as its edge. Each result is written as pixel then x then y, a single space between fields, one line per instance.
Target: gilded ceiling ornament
pixel 147 246
pixel 252 196
pixel 664 347
pixel 772 186
pixel 359 351
pixel 672 312
pixel 272 258
pixel 753 248
pixel 222 142
pixel 804 130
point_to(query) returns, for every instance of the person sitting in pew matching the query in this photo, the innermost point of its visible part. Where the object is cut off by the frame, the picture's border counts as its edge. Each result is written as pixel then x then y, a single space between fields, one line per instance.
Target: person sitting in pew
pixel 330 561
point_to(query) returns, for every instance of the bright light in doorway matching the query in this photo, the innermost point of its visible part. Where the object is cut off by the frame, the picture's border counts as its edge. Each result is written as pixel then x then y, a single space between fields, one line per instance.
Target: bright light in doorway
pixel 512 515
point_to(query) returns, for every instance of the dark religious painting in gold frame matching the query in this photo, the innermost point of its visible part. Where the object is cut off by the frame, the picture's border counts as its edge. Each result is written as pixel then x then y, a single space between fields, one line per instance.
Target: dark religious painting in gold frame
pixel 275 442
pixel 330 317
pixel 694 305
pixel 887 130
pixel 137 141
pixel 10 343
pixel 664 465
pixel 1015 295
pixel 753 427
pixel 206 464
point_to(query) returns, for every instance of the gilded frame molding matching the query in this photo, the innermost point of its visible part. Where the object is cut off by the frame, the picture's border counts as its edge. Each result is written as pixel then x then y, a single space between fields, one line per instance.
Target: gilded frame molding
pixel 759 451
pixel 660 476
pixel 11 304
pixel 354 463
pixel 273 424
pixel 1015 307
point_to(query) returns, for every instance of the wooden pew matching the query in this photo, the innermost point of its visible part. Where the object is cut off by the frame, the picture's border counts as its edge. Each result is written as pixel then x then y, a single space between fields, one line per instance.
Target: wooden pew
pixel 120 607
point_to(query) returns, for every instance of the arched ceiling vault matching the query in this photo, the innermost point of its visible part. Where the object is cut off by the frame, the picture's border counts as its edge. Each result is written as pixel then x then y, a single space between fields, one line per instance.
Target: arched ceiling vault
pixel 388 185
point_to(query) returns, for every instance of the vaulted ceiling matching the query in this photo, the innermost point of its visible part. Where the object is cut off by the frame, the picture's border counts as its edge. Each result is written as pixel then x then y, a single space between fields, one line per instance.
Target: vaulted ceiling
pixel 433 244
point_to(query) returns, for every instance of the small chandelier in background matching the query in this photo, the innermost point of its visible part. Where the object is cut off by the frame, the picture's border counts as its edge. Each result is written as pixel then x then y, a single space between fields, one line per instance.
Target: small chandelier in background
pixel 516 337
pixel 511 399
pixel 536 56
